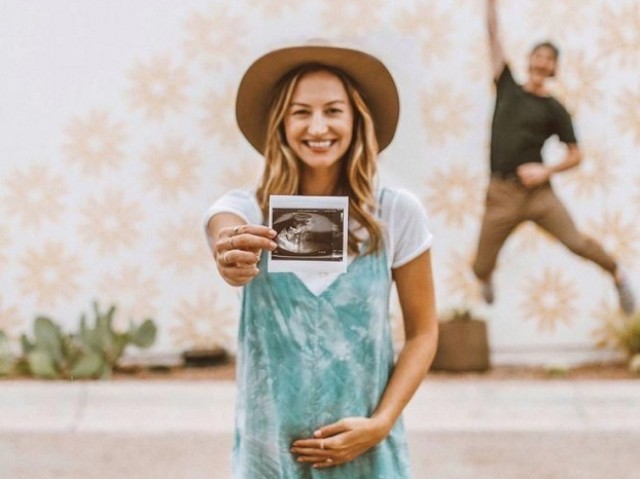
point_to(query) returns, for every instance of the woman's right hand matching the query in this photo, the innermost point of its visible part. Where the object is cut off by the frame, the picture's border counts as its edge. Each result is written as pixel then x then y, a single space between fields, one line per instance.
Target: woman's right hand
pixel 237 251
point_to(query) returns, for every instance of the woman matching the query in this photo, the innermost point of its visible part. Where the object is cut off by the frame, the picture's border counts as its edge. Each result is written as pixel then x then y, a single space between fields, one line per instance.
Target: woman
pixel 317 387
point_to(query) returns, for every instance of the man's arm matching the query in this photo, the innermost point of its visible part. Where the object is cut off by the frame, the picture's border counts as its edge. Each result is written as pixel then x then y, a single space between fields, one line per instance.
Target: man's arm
pixel 498 60
pixel 534 174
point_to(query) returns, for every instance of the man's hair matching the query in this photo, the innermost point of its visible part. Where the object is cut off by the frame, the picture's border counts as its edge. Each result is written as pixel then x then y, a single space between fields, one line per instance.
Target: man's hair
pixel 547 44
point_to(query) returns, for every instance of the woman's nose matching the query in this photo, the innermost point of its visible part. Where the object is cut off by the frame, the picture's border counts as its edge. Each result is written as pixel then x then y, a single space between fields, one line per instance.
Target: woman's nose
pixel 318 124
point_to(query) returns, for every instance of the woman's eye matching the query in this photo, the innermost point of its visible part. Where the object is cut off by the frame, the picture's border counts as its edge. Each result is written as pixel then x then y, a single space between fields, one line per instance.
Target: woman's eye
pixel 299 112
pixel 334 111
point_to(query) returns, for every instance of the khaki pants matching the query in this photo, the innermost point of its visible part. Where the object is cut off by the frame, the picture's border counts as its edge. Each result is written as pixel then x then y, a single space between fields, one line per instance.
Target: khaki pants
pixel 509 203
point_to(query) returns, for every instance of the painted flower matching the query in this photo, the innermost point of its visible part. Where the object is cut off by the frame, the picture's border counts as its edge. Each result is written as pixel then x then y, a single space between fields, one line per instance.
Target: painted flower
pixel 94 143
pixel 158 88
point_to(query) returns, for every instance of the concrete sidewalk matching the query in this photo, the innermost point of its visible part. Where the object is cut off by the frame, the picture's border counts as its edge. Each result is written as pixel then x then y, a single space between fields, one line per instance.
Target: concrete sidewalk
pixel 457 429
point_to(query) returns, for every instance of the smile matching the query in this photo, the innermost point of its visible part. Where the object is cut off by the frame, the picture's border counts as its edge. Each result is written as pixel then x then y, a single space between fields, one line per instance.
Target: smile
pixel 318 145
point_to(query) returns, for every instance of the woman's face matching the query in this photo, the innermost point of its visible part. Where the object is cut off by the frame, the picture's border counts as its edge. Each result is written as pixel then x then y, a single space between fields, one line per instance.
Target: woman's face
pixel 319 121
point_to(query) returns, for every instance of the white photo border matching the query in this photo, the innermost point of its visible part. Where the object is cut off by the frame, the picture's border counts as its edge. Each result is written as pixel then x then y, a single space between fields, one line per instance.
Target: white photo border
pixel 311 202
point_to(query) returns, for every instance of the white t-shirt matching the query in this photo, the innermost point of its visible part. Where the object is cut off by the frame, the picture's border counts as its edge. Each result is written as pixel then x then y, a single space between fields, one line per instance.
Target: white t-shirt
pixel 407 230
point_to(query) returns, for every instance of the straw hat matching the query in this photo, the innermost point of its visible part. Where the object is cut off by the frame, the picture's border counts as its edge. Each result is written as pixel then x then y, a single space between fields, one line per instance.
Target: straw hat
pixel 372 79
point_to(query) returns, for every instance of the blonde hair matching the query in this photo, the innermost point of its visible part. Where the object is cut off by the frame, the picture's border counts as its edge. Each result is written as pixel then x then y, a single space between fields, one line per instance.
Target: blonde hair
pixel 282 168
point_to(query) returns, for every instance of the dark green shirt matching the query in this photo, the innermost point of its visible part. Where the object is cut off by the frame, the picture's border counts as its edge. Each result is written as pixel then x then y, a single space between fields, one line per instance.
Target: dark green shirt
pixel 522 122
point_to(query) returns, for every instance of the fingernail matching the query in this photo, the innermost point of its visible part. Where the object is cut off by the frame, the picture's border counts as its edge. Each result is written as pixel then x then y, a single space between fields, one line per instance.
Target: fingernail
pixel 317 433
pixel 273 233
pixel 273 246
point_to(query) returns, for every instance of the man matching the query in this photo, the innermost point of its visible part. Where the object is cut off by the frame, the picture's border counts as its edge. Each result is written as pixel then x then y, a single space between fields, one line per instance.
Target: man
pixel 525 117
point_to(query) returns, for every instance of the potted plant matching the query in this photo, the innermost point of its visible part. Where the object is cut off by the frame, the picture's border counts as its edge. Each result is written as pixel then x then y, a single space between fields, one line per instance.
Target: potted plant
pixel 463 344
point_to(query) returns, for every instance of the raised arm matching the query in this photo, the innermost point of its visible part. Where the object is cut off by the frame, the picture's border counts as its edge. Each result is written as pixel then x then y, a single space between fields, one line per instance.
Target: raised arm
pixel 498 60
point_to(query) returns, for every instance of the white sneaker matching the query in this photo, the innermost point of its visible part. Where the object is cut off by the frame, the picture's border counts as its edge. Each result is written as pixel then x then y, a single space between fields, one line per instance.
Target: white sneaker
pixel 486 289
pixel 626 297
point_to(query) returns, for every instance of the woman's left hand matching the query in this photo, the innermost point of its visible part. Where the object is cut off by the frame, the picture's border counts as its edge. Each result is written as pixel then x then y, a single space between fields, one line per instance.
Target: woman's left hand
pixel 340 442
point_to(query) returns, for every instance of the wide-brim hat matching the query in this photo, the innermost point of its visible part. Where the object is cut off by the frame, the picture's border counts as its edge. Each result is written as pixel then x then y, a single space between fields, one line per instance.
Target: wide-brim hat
pixel 372 79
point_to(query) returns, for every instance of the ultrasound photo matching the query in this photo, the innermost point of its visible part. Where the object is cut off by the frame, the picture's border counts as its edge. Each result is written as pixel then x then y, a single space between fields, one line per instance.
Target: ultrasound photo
pixel 312 233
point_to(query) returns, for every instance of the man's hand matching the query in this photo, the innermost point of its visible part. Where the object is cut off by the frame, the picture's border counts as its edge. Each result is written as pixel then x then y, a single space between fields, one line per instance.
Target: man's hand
pixel 533 174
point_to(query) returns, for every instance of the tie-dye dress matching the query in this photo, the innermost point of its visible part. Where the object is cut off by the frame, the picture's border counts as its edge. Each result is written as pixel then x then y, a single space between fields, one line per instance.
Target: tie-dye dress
pixel 306 360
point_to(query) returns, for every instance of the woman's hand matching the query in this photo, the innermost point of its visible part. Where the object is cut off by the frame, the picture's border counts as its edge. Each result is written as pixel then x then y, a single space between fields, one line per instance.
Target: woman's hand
pixel 238 249
pixel 341 442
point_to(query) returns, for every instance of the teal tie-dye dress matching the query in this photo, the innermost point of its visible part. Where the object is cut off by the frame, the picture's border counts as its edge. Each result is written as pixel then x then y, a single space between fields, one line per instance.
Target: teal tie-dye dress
pixel 307 360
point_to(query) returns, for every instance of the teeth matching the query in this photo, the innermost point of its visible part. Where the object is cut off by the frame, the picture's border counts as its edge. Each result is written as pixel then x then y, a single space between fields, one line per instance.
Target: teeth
pixel 319 144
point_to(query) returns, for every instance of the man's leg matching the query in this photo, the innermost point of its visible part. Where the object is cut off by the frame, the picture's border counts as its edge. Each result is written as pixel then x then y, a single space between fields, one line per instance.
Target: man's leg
pixel 546 209
pixel 500 218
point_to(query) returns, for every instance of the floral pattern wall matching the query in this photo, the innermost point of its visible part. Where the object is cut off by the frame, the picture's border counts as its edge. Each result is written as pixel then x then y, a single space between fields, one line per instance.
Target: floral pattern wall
pixel 118 132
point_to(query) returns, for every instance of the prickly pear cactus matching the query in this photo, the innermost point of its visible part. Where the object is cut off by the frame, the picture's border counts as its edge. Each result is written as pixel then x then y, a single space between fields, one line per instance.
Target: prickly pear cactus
pixel 6 358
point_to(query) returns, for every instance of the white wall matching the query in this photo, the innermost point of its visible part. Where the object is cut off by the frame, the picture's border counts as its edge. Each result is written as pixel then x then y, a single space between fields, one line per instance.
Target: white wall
pixel 117 132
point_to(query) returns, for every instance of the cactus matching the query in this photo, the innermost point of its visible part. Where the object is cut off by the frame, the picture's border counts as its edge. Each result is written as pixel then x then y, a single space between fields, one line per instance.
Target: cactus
pixel 91 353
pixel 110 344
pixel 53 354
pixel 6 358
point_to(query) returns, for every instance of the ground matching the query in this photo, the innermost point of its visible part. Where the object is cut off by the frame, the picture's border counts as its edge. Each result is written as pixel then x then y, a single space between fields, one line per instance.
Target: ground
pixel 227 371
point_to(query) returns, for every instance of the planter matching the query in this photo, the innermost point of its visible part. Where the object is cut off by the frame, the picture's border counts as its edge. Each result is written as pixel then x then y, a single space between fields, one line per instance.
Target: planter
pixel 463 346
pixel 198 358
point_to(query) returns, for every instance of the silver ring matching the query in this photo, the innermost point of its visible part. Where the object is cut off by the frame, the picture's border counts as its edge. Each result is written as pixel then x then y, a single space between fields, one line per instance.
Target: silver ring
pixel 235 230
pixel 224 258
pixel 321 443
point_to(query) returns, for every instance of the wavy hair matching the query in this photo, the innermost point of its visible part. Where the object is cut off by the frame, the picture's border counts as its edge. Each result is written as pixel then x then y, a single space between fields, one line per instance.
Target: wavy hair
pixel 281 173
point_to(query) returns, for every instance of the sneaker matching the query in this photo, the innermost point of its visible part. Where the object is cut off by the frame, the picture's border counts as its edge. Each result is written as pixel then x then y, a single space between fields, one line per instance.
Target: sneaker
pixel 625 295
pixel 486 289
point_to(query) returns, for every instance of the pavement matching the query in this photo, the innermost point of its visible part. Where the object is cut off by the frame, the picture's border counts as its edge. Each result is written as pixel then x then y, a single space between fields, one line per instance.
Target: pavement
pixel 457 429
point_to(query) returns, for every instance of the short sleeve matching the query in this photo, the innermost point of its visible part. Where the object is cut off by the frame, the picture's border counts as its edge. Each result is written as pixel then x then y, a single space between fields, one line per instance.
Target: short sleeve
pixel 409 229
pixel 563 124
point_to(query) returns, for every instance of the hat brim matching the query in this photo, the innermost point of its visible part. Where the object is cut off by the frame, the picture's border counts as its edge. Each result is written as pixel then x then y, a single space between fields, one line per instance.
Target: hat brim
pixel 373 81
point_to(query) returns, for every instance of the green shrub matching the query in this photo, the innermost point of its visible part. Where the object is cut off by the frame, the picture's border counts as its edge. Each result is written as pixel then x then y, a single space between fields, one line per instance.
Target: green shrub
pixel 93 352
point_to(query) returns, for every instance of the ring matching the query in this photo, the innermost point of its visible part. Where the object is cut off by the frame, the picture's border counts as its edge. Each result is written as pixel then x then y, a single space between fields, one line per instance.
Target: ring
pixel 329 460
pixel 232 247
pixel 235 230
pixel 322 444
pixel 224 258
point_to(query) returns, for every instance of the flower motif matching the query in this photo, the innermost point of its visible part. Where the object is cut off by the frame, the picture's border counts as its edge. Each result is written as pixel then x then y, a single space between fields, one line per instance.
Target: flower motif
pixel 621 32
pixel 110 223
pixel 203 323
pixel 243 174
pixel 35 195
pixel 355 17
pixel 597 171
pixel 550 299
pixel 460 281
pixel 50 273
pixel 628 117
pixel 610 319
pixel 134 295
pixel 183 246
pixel 4 246
pixel 455 194
pixel 432 26
pixel 172 169
pixel 94 143
pixel 157 87
pixel 219 120
pixel 445 114
pixel 214 38
pixel 555 19
pixel 579 82
pixel 10 318
pixel 619 237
